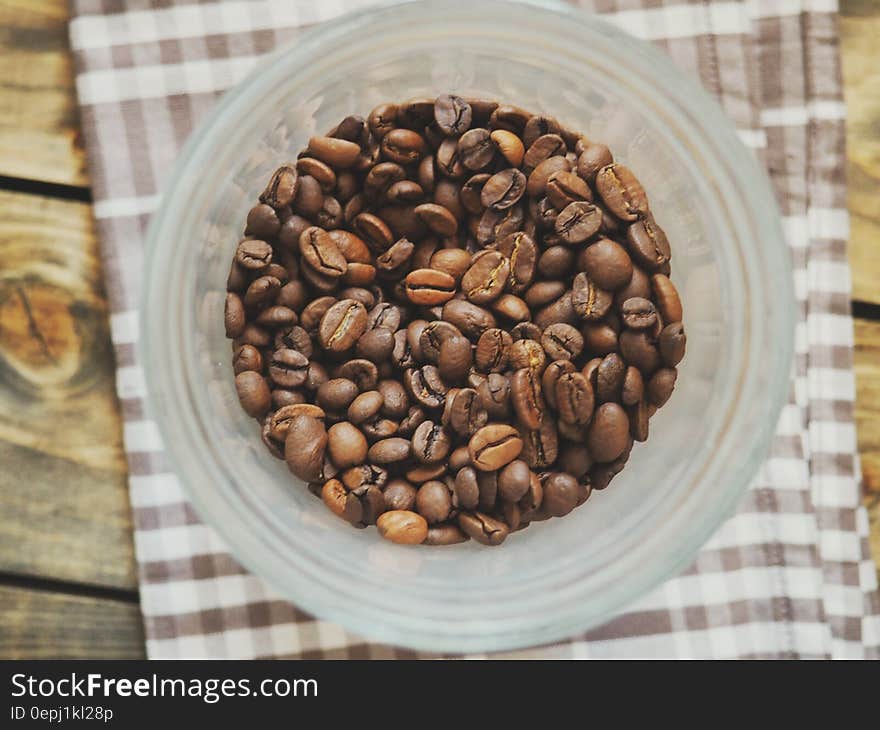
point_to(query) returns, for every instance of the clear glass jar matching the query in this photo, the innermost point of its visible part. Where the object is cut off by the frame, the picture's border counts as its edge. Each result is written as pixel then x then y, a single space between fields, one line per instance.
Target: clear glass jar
pixel 729 262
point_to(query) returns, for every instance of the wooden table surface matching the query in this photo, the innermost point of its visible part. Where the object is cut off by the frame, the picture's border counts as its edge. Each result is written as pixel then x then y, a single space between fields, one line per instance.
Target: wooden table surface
pixel 68 585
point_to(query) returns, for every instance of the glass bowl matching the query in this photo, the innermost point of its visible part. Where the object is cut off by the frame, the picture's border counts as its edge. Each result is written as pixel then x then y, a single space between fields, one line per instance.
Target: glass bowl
pixel 729 262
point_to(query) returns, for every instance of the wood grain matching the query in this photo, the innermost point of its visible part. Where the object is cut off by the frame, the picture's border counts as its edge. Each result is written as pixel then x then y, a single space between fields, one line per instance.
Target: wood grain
pixel 859 32
pixel 63 492
pixel 37 624
pixel 39 129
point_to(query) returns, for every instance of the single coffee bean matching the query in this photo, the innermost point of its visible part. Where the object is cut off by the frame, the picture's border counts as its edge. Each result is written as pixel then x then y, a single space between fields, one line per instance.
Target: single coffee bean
pixel 389 451
pixel 638 313
pixel 661 385
pixel 494 446
pixel 253 255
pixel 592 159
pixel 514 480
pixel 247 357
pixel 364 475
pixel 467 414
pixel 402 527
pixel 361 372
pixel 384 315
pixel 668 301
pixel 562 342
pixel 494 393
pixel 335 152
pixel 336 394
pixel 399 495
pixel 621 192
pixel 430 443
pixel 560 493
pixel 276 316
pixel 509 145
pixel 434 502
pixel 453 261
pixel 470 319
pixel 342 325
pixel 511 307
pixel 452 114
pixel 475 149
pixel 365 406
pixel 551 375
pixel 321 171
pixel 564 188
pixel 608 434
pixel 560 310
pixel 334 495
pixel 527 354
pixel 438 219
pixel 482 528
pixel 648 244
pixel 428 338
pixel 537 182
pixel 574 398
pixel 346 445
pixel 425 472
pixel 253 393
pixel 638 421
pixel 447 533
pixel 607 264
pixel 466 490
pixel 541 446
pixel 526 397
pixel 492 350
pixel 589 301
pixel 305 446
pixel 402 146
pixel 309 197
pixel 455 359
pixel 234 317
pixel 542 148
pixel 575 459
pixel 638 349
pixel 577 222
pixel 426 287
pixel 425 385
pixel 503 189
pixel 279 422
pixel 599 337
pixel 556 262
pixel 375 345
pixel 262 221
pixel 672 343
pixel 543 293
pixel 610 375
pixel 281 189
pixel 633 386
pixel 288 368
pixel 486 277
pixel 374 231
pixel 526 331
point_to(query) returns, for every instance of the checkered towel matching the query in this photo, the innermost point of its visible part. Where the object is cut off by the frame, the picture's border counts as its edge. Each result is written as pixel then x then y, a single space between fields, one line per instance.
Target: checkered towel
pixel 790 575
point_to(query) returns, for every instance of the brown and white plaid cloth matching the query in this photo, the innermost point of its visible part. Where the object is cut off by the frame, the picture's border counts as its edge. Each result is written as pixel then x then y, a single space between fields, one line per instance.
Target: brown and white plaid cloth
pixel 790 575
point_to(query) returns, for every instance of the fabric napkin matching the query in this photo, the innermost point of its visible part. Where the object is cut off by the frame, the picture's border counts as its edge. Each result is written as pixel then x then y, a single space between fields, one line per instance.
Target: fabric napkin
pixel 790 575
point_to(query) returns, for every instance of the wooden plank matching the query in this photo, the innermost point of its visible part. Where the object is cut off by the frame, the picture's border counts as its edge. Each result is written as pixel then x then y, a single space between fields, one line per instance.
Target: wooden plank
pixel 63 502
pixel 867 367
pixel 36 624
pixel 39 127
pixel 859 31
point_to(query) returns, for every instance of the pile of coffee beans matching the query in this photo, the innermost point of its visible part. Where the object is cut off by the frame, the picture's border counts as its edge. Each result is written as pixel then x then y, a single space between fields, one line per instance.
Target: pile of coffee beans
pixel 453 318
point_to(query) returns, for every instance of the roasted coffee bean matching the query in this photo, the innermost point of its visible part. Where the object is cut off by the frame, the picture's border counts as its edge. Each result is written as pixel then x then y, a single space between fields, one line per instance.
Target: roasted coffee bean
pixel 437 219
pixel 543 293
pixel 389 451
pixel 375 345
pixel 672 342
pixel 247 357
pixel 395 260
pixel 562 342
pixel 575 459
pixel 574 398
pixel 467 414
pixel 514 480
pixel 288 368
pixel 427 338
pixel 402 527
pixel 314 311
pixel 364 475
pixel 253 254
pixel 486 277
pixel 399 495
pixel 342 325
pixel 346 445
pixel 335 152
pixel 503 189
pixel 610 375
pixel 638 349
pixel 537 182
pixel 494 393
pixel 262 221
pixel 336 394
pixel 482 528
pixel 542 148
pixel 253 393
pixel 551 375
pixel 577 222
pixel 511 307
pixel 660 386
pixel 526 331
pixel 434 502
pixel 294 338
pixel 309 197
pixel 427 287
pixel 509 145
pixel 447 533
pixel 374 231
pixel 234 317
pixel 492 350
pixel 452 114
pixel 526 397
pixel 556 262
pixel 305 446
pixel 608 434
pixel 494 446
pixel 422 473
pixel 599 337
pixel 633 386
pixel 321 171
pixel 470 319
pixel 361 372
pixel 474 149
pixel 541 446
pixel 638 421
pixel 365 406
pixel 281 189
pixel 638 313
pixel 453 261
pixel 593 158
pixel 648 244
pixel 279 422
pixel 494 225
pixel 560 310
pixel 589 301
pixel 527 354
pixel 466 489
pixel 316 375
pixel 455 359
pixel 426 386
pixel 384 315
pixel 430 443
pixel 564 188
pixel 402 146
pixel 607 264
pixel 561 492
pixel 378 428
pixel 334 495
pixel 274 317
pixel 668 301
pixel 621 192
